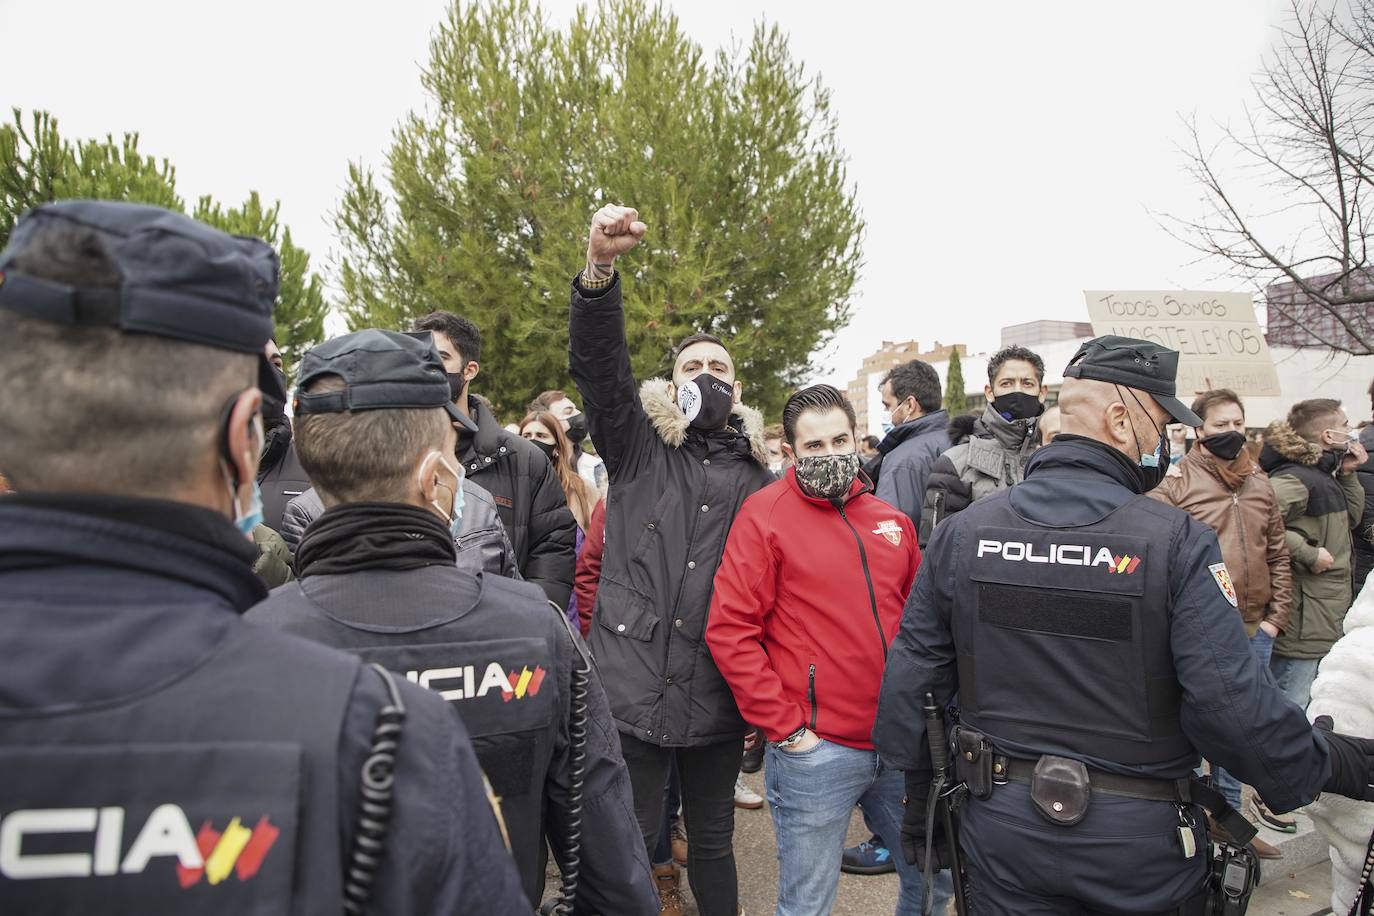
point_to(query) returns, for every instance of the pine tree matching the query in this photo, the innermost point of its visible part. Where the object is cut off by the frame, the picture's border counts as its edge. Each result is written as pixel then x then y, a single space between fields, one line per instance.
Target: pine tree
pixel 955 400
pixel 732 160
pixel 37 166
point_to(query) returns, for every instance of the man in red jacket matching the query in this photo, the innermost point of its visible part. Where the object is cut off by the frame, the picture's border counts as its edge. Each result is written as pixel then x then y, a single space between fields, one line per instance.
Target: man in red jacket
pixel 808 595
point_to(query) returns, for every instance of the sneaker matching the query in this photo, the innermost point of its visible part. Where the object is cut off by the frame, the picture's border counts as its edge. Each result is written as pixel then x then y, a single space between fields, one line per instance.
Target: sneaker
pixel 669 890
pixel 678 836
pixel 870 857
pixel 746 797
pixel 1271 820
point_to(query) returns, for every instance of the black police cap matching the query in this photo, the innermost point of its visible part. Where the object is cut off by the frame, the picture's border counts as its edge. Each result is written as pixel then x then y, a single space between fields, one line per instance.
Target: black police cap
pixel 181 279
pixel 381 370
pixel 1137 364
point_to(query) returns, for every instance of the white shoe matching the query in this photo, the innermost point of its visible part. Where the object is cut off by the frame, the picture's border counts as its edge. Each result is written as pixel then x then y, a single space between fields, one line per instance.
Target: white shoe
pixel 746 797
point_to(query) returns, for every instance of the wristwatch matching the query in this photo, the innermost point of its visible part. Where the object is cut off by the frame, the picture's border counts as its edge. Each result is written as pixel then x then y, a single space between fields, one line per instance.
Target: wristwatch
pixel 792 740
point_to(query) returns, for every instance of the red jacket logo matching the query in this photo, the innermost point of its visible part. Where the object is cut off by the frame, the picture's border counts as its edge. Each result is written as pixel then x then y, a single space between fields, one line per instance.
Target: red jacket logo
pixel 889 529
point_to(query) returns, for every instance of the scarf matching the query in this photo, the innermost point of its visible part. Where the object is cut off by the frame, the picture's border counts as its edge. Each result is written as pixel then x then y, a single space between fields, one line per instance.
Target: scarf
pixel 360 536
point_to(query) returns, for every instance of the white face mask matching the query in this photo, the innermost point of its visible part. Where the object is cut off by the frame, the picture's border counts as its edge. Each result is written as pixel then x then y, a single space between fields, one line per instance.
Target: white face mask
pixel 455 513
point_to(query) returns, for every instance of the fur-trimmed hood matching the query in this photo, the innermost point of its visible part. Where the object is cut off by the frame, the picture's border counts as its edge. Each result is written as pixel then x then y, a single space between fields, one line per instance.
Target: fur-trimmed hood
pixel 1284 441
pixel 671 425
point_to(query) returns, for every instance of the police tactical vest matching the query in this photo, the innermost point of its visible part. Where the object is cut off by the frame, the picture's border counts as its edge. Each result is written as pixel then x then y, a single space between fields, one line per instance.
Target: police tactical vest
pixel 494 662
pixel 208 796
pixel 1062 634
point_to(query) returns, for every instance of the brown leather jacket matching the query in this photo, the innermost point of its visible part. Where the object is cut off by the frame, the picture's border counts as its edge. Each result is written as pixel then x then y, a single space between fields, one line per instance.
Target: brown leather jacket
pixel 1235 500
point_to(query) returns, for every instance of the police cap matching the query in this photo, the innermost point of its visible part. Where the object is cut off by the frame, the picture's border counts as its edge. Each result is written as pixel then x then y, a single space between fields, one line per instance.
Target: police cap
pixel 381 370
pixel 1137 364
pixel 181 279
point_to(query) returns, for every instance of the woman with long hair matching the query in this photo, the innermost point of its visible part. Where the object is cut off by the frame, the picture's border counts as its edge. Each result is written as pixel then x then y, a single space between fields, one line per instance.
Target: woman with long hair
pixel 544 430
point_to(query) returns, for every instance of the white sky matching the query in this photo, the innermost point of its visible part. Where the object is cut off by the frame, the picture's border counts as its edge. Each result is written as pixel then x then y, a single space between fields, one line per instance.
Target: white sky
pixel 1008 155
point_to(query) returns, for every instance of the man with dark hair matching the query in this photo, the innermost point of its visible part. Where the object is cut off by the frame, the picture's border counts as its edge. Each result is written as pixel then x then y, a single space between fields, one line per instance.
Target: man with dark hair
pixel 377 578
pixel 994 455
pixel 912 397
pixel 868 448
pixel 682 455
pixel 1091 638
pixel 518 475
pixel 802 556
pixel 135 703
pixel 1220 485
pixel 1311 460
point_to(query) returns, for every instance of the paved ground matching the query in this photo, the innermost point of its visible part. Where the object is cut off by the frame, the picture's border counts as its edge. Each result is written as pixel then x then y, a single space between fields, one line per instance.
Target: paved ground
pixel 1283 893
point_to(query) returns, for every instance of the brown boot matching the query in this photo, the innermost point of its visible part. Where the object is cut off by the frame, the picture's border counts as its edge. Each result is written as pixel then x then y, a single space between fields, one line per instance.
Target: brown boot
pixel 669 889
pixel 679 841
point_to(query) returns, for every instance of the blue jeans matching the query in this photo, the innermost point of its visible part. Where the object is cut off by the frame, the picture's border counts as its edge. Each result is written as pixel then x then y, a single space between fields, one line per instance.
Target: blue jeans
pixel 812 794
pixel 1295 677
pixel 1262 648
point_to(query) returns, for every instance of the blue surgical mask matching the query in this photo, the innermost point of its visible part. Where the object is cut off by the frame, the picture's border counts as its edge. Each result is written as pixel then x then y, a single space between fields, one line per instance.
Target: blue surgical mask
pixel 455 514
pixel 247 521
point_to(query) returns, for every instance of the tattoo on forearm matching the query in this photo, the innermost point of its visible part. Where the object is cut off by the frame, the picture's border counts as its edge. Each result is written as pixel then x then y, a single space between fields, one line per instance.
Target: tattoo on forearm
pixel 600 271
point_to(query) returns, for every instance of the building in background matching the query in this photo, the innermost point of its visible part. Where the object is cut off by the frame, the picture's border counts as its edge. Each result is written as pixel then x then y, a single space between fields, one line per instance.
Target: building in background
pixel 1300 323
pixel 1033 334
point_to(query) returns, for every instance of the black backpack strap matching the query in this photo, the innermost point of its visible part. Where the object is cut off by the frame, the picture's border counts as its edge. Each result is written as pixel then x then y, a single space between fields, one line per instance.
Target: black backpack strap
pixel 374 817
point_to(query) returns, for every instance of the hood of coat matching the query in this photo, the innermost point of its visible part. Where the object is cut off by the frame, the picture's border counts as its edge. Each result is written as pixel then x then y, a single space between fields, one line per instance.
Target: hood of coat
pixel 671 423
pixel 1283 445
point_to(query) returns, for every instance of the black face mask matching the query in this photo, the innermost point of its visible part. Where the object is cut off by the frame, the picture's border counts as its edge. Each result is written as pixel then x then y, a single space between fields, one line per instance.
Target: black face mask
pixel 455 385
pixel 273 410
pixel 1152 468
pixel 1018 406
pixel 577 429
pixel 1225 446
pixel 544 447
pixel 706 401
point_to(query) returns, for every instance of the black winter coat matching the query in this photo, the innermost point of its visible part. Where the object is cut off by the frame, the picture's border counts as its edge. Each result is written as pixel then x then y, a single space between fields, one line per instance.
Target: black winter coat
pixel 280 476
pixel 529 501
pixel 675 492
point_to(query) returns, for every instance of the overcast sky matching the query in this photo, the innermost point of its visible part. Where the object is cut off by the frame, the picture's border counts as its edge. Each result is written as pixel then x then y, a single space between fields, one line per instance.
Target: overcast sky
pixel 1007 155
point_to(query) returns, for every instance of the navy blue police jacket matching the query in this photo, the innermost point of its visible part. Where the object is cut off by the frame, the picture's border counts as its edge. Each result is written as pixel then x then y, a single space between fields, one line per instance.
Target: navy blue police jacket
pixel 503 658
pixel 1205 693
pixel 162 755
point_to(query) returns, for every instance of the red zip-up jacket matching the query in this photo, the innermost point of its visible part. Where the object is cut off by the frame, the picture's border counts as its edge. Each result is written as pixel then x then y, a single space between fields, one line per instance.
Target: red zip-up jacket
pixel 807 598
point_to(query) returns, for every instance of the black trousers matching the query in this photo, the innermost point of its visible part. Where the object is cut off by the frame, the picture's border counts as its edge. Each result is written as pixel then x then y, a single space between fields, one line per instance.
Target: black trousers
pixel 707 775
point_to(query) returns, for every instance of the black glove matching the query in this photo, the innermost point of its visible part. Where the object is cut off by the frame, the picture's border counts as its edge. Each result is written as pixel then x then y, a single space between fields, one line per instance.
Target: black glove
pixel 1352 763
pixel 914 826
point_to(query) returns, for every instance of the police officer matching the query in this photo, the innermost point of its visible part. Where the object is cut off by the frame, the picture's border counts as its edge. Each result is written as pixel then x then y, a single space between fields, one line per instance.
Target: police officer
pixel 159 754
pixel 1091 637
pixel 375 431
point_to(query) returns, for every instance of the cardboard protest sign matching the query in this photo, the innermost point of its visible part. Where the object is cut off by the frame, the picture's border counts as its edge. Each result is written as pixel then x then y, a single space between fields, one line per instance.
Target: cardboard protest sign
pixel 1220 343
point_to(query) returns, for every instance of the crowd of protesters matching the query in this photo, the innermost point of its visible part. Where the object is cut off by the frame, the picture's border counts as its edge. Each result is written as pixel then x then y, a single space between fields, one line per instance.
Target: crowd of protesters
pixel 732 586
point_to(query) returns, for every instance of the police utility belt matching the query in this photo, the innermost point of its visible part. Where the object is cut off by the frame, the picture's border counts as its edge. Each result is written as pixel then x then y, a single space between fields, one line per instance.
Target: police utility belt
pixel 1061 788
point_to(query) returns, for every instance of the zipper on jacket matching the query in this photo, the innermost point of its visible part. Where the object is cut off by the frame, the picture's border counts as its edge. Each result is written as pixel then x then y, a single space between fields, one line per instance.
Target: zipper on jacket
pixel 1245 557
pixel 811 695
pixel 868 577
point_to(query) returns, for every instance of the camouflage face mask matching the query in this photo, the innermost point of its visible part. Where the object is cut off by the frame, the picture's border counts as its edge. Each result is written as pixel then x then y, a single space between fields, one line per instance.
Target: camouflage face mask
pixel 827 476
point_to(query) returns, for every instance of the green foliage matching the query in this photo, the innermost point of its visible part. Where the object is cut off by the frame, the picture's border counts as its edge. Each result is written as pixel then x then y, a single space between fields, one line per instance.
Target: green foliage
pixel 955 400
pixel 732 160
pixel 37 166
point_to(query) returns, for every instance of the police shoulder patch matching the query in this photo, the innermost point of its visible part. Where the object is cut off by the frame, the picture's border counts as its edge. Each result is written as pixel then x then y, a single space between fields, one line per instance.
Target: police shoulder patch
pixel 1222 576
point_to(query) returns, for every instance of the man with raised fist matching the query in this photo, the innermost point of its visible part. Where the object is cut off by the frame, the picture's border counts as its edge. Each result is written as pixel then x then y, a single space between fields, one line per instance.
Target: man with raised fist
pixel 682 456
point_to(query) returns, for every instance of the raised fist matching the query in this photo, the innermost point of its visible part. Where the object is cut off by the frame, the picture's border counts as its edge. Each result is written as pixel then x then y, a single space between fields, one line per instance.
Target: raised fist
pixel 615 230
